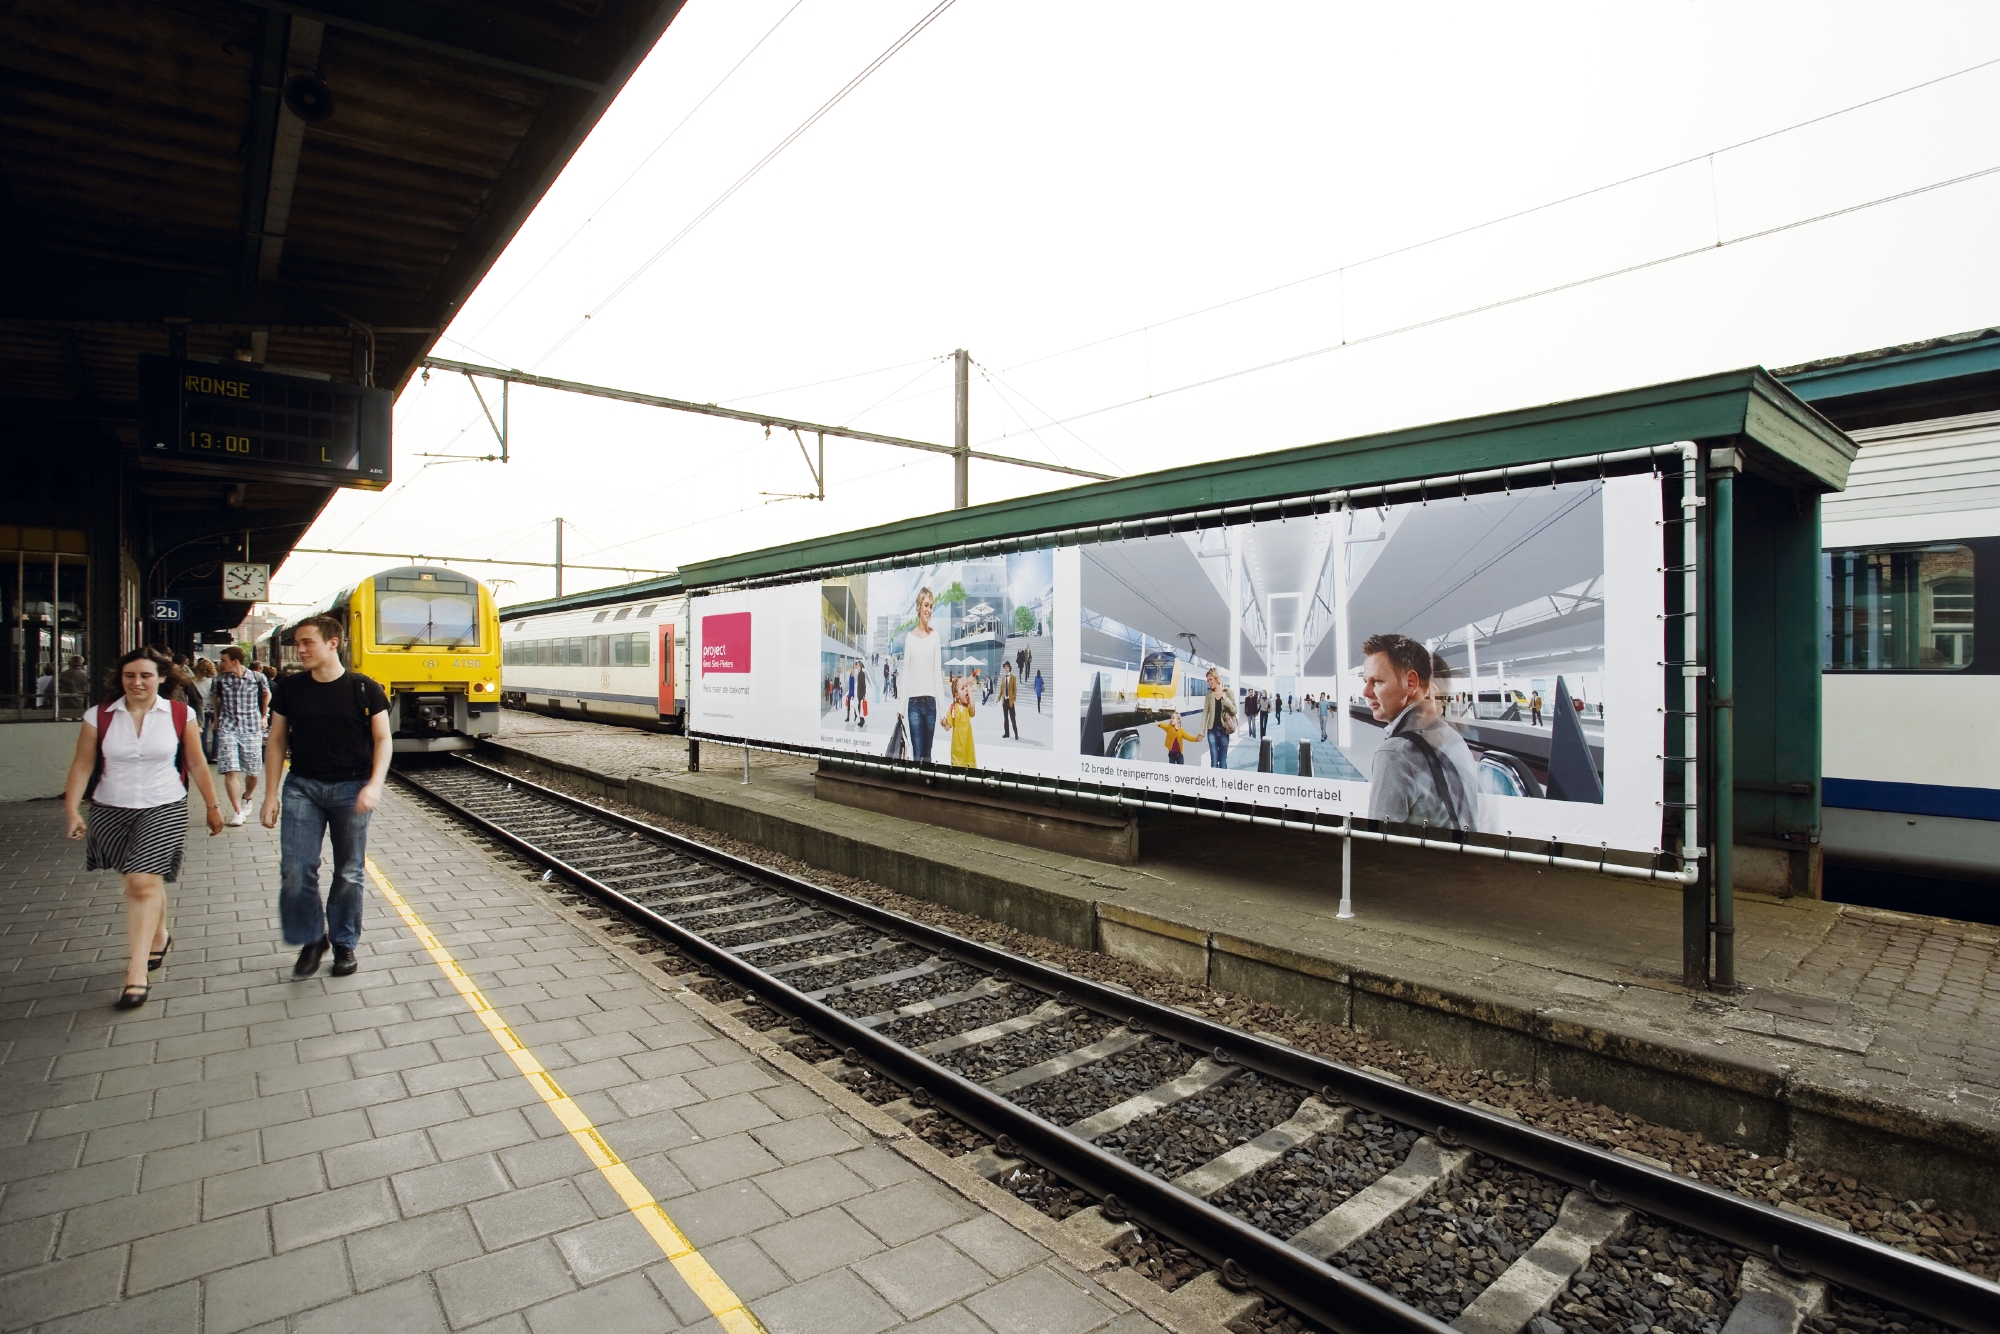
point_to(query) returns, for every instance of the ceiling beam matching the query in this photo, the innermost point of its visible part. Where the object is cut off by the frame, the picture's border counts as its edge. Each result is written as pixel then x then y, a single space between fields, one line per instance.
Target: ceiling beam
pixel 459 35
pixel 267 78
pixel 302 47
pixel 103 293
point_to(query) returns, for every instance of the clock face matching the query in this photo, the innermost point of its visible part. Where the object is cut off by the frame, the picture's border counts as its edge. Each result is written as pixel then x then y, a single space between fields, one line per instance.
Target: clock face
pixel 246 583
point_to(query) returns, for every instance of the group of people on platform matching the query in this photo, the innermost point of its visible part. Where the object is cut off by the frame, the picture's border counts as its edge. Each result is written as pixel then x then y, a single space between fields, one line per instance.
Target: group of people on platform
pixel 140 750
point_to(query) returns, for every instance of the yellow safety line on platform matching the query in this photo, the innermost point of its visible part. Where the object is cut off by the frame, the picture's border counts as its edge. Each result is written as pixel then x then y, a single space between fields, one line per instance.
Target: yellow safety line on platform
pixel 721 1300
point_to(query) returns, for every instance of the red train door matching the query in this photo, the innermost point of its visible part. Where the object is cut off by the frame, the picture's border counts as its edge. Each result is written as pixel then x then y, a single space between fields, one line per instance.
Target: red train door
pixel 666 671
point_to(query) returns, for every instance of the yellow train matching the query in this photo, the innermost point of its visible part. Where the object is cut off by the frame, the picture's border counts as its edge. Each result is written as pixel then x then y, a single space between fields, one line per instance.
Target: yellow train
pixel 430 637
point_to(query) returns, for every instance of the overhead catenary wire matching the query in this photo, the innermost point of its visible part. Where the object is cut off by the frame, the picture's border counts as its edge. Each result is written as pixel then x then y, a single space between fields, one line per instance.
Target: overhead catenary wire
pixel 1003 387
pixel 825 107
pixel 929 365
pixel 1515 216
pixel 1572 285
pixel 838 379
pixel 630 176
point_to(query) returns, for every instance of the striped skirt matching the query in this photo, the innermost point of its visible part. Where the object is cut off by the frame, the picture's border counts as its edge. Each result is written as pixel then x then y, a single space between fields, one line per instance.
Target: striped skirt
pixel 137 840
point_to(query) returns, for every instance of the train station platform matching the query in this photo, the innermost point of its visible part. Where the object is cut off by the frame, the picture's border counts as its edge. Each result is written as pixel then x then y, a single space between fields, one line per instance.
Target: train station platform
pixel 1865 1041
pixel 383 1152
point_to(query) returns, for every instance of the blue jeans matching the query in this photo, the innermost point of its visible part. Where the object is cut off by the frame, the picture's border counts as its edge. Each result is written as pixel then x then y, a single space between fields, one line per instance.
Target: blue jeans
pixel 923 726
pixel 1218 748
pixel 311 810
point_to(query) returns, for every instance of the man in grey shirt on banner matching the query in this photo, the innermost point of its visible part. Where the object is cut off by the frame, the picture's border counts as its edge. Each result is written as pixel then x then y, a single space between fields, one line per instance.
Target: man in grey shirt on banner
pixel 1423 772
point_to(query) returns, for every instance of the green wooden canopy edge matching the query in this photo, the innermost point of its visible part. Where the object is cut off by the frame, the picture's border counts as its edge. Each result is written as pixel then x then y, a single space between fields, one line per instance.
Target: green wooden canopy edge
pixel 1786 440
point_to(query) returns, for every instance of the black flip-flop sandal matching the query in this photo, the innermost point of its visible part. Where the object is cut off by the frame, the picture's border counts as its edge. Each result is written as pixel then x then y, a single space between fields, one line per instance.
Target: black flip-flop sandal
pixel 159 956
pixel 132 998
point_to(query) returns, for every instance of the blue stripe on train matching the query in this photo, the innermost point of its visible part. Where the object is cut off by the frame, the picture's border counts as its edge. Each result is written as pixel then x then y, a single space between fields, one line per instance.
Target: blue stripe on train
pixel 1964 803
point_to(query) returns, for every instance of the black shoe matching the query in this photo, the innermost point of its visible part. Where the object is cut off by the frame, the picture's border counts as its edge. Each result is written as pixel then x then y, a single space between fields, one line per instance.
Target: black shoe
pixel 159 956
pixel 344 961
pixel 132 998
pixel 309 958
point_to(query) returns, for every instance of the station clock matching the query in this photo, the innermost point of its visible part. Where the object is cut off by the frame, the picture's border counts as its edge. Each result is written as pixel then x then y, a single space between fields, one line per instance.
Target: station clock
pixel 244 582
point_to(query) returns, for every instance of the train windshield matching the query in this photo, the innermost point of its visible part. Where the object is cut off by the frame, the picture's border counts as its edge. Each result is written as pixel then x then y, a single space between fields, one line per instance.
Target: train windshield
pixel 1157 669
pixel 442 613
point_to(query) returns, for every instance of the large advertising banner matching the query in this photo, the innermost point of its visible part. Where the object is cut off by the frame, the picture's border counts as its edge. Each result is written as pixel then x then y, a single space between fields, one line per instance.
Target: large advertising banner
pixel 1487 664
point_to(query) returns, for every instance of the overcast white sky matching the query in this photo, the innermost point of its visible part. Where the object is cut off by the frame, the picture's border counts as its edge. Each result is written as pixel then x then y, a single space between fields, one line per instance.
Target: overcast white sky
pixel 1026 177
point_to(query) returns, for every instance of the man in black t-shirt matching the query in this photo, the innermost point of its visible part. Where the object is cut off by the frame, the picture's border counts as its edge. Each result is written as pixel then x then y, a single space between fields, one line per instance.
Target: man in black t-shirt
pixel 336 723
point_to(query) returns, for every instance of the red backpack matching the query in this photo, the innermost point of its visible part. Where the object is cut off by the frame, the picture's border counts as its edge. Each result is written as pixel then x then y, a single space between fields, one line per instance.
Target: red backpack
pixel 181 713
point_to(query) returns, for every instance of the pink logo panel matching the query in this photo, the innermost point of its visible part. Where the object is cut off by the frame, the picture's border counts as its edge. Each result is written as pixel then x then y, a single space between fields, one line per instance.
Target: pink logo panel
pixel 725 643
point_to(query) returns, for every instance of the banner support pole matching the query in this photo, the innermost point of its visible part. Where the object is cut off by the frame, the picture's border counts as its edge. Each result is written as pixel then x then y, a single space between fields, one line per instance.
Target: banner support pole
pixel 1346 912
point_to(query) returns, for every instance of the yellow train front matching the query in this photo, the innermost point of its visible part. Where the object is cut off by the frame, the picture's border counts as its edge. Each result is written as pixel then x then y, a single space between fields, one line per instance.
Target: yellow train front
pixel 430 637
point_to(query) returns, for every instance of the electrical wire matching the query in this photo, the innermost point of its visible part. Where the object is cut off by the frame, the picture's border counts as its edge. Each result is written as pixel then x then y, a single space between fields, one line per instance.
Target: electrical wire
pixel 1708 156
pixel 838 379
pixel 985 375
pixel 1705 249
pixel 897 390
pixel 631 176
pixel 997 382
pixel 749 176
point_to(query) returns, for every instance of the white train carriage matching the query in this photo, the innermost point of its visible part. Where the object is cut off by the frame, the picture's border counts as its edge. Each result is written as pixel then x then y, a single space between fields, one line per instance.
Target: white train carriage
pixel 1910 627
pixel 1911 740
pixel 617 655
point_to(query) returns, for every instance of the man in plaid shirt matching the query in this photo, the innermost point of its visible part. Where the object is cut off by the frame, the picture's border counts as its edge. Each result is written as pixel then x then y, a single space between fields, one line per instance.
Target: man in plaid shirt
pixel 241 700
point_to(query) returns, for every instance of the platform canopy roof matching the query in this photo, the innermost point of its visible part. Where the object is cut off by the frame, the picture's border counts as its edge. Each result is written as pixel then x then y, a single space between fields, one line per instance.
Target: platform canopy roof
pixel 1952 376
pixel 1784 439
pixel 319 185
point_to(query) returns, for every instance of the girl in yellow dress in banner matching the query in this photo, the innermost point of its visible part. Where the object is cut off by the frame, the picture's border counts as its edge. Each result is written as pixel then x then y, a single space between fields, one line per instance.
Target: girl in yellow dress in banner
pixel 959 720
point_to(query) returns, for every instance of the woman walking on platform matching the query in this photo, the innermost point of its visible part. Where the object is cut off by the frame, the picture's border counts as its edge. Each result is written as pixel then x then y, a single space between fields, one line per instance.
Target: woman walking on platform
pixel 134 754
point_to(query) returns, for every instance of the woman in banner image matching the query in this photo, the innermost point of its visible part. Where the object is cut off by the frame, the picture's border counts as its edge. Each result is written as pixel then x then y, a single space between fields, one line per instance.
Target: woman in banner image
pixel 959 720
pixel 923 675
pixel 1423 772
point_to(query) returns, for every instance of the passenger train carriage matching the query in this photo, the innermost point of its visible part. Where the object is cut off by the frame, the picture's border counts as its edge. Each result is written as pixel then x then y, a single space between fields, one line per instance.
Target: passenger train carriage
pixel 430 638
pixel 1910 627
pixel 617 654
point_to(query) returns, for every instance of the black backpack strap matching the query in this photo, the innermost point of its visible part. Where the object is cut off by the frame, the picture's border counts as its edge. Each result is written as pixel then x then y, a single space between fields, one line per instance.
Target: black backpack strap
pixel 1438 777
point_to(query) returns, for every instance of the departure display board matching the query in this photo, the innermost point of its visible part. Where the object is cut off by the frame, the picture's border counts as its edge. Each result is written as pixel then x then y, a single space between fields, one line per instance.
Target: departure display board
pixel 238 420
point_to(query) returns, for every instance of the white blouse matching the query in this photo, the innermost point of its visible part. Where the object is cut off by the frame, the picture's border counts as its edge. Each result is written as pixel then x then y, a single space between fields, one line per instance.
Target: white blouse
pixel 141 767
pixel 923 673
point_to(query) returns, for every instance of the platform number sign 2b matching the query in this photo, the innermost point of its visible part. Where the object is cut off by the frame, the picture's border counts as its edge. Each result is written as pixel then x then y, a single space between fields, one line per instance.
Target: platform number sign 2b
pixel 243 582
pixel 163 609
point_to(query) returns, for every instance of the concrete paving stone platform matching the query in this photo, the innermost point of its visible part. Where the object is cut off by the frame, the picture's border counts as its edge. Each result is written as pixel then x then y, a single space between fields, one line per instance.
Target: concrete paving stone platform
pixel 1864 1040
pixel 250 1152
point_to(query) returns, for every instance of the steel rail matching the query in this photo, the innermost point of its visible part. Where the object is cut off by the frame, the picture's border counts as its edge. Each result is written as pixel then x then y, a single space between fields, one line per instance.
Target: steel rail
pixel 1798 1245
pixel 1312 1287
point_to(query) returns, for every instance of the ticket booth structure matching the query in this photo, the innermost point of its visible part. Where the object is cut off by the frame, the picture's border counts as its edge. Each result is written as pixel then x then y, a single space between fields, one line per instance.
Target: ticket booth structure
pixel 1582 635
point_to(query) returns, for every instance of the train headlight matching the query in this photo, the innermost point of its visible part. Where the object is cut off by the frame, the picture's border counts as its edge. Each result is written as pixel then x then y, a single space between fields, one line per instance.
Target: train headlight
pixel 484 685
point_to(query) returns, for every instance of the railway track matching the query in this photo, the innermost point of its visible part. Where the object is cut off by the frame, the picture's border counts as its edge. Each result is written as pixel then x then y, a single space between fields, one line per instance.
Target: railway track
pixel 1295 1176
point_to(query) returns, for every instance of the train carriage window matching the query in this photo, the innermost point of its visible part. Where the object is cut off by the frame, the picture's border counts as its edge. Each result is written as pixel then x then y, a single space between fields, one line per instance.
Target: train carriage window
pixel 576 650
pixel 594 651
pixel 623 612
pixel 642 655
pixel 647 610
pixel 1898 608
pixel 621 650
pixel 600 616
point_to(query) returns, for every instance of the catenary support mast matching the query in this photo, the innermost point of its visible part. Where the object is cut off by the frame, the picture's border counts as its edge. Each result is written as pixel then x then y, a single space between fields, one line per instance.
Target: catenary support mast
pixel 961 432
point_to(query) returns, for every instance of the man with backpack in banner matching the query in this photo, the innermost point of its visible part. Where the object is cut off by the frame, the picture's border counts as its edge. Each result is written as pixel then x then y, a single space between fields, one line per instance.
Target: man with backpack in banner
pixel 336 724
pixel 1422 772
